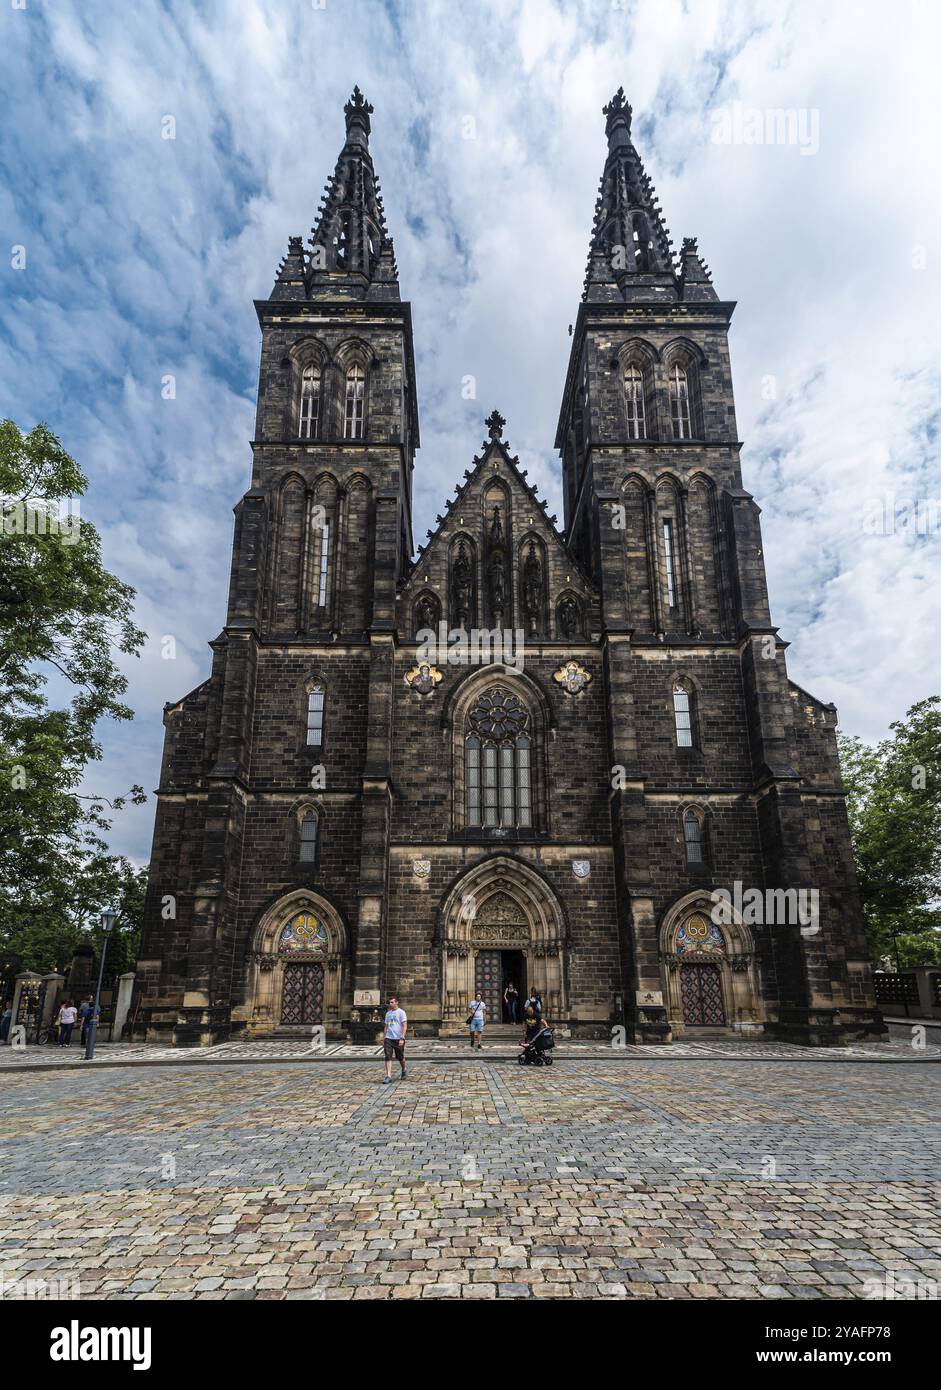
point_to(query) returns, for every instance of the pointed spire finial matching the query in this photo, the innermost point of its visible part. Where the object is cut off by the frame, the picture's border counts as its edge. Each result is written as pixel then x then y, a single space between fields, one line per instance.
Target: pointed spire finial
pixel 618 112
pixel 495 423
pixel 357 112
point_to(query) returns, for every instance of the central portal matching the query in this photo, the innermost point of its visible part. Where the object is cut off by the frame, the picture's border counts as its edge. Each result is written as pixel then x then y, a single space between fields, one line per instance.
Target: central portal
pixel 501 923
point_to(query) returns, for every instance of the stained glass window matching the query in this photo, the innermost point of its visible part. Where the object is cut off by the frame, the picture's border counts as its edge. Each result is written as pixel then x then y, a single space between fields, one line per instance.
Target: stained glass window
pixel 497 766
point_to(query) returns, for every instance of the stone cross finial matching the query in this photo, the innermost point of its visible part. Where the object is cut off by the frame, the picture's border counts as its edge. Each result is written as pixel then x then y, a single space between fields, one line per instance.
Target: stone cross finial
pixel 495 423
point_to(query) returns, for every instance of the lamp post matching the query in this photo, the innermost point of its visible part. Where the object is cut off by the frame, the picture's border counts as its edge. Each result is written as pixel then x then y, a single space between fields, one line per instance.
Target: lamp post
pixel 108 919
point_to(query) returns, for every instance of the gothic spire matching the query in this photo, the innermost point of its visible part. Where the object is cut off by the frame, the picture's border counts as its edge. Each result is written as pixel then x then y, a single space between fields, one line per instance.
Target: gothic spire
pixel 351 254
pixel 630 247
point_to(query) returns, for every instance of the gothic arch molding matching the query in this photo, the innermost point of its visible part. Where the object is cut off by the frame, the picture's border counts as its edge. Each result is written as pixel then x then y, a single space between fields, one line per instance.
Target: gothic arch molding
pixel 326 962
pixel 502 903
pixel 721 952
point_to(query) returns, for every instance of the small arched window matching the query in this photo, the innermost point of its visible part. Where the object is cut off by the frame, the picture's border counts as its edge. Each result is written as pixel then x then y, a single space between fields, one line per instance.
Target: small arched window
pixel 355 402
pixel 497 763
pixel 308 422
pixel 315 716
pixel 307 839
pixel 683 713
pixel 692 835
pixel 679 402
pixel 634 402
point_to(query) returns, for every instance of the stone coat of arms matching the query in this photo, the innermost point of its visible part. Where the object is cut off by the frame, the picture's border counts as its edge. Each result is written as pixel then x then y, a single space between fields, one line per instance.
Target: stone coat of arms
pixel 581 868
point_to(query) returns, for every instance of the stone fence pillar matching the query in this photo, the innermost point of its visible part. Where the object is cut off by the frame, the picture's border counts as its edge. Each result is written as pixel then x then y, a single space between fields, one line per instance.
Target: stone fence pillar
pixel 122 1004
pixel 53 984
pixel 929 995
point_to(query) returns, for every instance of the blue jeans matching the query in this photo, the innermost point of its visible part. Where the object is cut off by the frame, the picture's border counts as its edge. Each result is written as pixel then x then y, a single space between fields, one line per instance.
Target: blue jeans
pixel 65 1034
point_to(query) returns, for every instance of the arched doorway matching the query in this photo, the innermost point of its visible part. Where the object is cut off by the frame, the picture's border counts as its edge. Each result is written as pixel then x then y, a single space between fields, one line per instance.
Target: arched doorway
pixel 296 967
pixel 501 921
pixel 710 971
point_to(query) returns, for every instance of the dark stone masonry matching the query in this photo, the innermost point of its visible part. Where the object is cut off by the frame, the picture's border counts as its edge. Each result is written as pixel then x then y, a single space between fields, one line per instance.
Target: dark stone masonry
pixel 348 809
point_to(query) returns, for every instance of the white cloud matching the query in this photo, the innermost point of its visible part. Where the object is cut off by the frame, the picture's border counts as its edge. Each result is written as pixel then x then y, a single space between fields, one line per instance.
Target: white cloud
pixel 145 254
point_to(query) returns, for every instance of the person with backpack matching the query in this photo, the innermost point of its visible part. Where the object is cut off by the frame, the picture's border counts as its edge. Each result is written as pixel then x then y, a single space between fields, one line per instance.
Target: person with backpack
pixel 475 1020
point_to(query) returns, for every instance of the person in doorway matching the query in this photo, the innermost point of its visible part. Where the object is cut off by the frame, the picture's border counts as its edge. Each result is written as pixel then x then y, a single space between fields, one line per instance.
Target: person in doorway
pixel 393 1038
pixel 511 999
pixel 475 1020
pixel 68 1013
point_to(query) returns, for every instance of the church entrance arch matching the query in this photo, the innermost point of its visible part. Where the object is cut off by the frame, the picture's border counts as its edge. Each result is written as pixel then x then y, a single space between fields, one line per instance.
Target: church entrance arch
pixel 710 971
pixel 296 967
pixel 500 922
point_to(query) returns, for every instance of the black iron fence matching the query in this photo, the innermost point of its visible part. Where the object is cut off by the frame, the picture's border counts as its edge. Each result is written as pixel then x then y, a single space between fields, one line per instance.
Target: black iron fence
pixel 896 989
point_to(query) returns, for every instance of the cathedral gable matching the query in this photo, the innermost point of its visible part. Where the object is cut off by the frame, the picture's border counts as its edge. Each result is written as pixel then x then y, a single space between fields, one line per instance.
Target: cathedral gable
pixel 496 559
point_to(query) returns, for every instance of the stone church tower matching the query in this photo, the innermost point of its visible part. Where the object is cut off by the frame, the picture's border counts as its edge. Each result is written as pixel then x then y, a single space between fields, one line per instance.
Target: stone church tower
pixel 571 759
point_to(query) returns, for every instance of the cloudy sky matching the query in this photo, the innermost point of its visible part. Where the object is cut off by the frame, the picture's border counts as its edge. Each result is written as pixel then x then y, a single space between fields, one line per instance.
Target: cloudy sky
pixel 143 255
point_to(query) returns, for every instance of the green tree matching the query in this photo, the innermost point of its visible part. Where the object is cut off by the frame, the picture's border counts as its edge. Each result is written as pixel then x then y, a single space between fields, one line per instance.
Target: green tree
pixel 894 804
pixel 64 620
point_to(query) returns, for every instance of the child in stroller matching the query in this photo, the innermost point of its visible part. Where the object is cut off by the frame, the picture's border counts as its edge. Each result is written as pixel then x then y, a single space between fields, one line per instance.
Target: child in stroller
pixel 536 1043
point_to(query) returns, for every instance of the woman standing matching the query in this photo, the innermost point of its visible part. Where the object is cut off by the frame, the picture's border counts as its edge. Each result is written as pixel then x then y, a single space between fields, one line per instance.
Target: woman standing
pixel 475 1020
pixel 67 1016
pixel 511 999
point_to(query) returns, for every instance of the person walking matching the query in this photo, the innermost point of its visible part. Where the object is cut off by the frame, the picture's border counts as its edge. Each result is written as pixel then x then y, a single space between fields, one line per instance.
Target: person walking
pixel 393 1038
pixel 511 999
pixel 475 1019
pixel 68 1013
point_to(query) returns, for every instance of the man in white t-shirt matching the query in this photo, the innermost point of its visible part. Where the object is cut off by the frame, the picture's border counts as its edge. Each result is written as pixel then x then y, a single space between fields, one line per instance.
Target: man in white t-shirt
pixel 393 1038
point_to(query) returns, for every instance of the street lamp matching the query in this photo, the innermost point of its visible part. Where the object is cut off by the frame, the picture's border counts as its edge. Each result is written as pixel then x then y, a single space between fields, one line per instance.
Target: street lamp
pixel 108 919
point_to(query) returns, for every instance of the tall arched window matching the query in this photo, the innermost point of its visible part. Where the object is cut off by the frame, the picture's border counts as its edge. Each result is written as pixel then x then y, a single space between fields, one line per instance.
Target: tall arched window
pixel 679 402
pixel 307 839
pixel 355 402
pixel 315 716
pixel 683 713
pixel 634 402
pixel 692 836
pixel 498 763
pixel 308 422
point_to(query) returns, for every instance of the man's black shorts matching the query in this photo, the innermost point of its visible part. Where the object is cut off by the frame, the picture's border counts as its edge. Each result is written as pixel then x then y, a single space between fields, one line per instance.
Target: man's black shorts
pixel 394 1047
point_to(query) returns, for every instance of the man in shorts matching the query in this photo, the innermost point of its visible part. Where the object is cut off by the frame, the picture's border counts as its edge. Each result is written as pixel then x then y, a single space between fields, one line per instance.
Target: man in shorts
pixel 393 1039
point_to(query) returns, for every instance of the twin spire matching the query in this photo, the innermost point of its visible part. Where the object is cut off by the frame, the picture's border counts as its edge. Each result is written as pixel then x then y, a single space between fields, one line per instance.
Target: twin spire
pixel 350 255
pixel 630 256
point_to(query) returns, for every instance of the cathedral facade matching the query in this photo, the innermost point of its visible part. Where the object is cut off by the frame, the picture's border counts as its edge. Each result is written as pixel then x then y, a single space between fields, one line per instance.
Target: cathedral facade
pixel 567 757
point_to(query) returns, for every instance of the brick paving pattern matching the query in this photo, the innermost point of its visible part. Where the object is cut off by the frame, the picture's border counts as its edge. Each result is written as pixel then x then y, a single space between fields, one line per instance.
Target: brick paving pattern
pixel 682 1178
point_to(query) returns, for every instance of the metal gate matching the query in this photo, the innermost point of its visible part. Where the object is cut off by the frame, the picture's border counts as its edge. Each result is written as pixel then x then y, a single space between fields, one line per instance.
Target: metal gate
pixel 701 987
pixel 302 993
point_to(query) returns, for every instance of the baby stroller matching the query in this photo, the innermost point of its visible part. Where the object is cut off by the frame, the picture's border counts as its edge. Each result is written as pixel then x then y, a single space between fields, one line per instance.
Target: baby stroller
pixel 538 1051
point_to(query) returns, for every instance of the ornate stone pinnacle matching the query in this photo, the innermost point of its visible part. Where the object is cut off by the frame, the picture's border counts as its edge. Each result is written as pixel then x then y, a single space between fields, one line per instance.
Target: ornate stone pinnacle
pixel 618 111
pixel 495 423
pixel 357 111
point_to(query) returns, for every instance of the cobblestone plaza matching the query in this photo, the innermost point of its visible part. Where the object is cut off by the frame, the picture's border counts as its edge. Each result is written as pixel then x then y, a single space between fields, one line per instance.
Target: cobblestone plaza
pixel 266 1172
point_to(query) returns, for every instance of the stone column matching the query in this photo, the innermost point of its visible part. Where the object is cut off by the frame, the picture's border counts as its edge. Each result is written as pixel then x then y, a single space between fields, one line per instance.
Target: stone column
pixel 25 981
pixel 925 976
pixel 53 984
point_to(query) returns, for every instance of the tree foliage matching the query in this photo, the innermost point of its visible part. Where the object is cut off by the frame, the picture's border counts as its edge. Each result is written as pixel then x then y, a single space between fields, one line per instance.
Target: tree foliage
pixel 894 804
pixel 64 622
